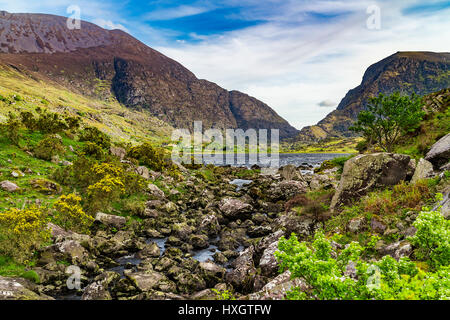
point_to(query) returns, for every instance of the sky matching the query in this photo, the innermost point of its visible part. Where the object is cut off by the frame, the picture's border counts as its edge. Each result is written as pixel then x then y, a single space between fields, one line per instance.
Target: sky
pixel 298 56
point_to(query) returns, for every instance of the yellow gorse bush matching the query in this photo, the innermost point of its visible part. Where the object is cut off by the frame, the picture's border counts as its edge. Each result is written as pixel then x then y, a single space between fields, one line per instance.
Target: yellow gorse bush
pixel 102 193
pixel 70 215
pixel 21 231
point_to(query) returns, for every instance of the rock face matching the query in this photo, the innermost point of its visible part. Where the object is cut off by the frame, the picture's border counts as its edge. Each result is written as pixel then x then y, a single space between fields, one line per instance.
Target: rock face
pixel 364 173
pixel 138 76
pixel 424 169
pixel 439 154
pixel 403 71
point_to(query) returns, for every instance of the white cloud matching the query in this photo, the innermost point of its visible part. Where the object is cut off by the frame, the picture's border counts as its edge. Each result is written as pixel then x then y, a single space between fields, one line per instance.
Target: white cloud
pixel 108 24
pixel 293 67
pixel 174 13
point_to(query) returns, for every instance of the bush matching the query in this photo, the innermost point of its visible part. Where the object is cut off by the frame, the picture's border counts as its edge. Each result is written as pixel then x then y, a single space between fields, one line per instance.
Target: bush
pixel 101 194
pixel 11 129
pixel 22 231
pixel 70 214
pixel 326 275
pixel 93 150
pixel 432 238
pixel 49 147
pixel 155 158
pixel 94 135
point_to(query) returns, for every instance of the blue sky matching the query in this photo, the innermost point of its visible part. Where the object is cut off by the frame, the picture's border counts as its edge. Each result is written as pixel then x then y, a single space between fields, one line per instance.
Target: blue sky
pixel 299 56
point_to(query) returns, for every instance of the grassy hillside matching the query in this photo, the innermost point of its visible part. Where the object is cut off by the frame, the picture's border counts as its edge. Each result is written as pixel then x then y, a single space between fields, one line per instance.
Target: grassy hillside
pixel 20 92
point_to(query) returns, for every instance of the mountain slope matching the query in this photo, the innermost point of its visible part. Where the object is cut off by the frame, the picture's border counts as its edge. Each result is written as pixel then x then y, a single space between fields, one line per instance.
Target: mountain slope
pixel 419 72
pixel 113 65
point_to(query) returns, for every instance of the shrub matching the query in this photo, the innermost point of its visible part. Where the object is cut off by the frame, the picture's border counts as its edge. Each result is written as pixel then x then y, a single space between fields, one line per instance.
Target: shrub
pixel 101 194
pixel 11 128
pixel 154 158
pixel 49 122
pixel 432 238
pixel 70 214
pixel 326 275
pixel 22 231
pixel 49 147
pixel 94 135
pixel 93 150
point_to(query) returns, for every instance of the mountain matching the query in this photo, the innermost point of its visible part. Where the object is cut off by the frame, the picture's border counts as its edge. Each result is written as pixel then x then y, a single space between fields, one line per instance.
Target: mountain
pixel 113 65
pixel 407 72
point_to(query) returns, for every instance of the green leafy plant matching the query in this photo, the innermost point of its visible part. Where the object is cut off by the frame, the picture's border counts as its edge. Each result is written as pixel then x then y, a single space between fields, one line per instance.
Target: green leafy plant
pixel 387 118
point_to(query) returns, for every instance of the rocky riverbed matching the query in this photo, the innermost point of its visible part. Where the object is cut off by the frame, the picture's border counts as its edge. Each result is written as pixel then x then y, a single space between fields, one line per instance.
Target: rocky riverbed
pixel 213 237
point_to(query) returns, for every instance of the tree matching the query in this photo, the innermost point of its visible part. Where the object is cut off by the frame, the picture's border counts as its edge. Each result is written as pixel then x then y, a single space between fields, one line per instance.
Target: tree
pixel 387 118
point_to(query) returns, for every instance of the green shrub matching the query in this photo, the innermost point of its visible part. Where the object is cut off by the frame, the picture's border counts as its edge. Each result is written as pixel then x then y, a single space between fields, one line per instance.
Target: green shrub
pixel 94 135
pixel 432 238
pixel 155 158
pixel 49 147
pixel 11 128
pixel 22 231
pixel 93 150
pixel 70 215
pixel 324 272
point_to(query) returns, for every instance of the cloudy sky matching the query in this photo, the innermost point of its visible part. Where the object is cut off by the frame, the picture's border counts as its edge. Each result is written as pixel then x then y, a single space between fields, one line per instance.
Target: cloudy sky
pixel 298 56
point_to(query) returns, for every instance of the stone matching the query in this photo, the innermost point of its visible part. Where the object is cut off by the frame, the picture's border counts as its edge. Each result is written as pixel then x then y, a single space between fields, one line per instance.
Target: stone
pixel 17 289
pixel 143 172
pixel 235 208
pixel 377 226
pixel 285 190
pixel 277 288
pixel 111 220
pixel 356 225
pixel 244 271
pixel 290 172
pixel 118 152
pixel 424 169
pixel 290 222
pixel 72 250
pixel 150 250
pixel 268 262
pixel 212 273
pixel 439 153
pixel 146 281
pixel 9 186
pixel 154 191
pixel 46 186
pixel 364 173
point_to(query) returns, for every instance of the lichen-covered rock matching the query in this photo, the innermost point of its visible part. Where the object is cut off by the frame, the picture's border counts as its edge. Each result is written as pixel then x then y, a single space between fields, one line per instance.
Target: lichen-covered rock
pixel 285 190
pixel 118 152
pixel 241 277
pixel 290 222
pixel 235 208
pixel 278 287
pixel 212 273
pixel 439 153
pixel 356 225
pixel 290 172
pixel 111 220
pixel 155 192
pixel 46 186
pixel 16 289
pixel 364 173
pixel 146 280
pixel 424 169
pixel 268 262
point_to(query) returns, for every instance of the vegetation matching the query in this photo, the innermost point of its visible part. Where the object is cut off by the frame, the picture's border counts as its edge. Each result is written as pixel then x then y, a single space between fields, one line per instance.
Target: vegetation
pixel 387 118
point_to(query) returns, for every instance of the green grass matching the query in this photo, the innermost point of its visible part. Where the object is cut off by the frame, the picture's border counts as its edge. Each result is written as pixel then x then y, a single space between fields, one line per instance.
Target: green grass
pixel 9 268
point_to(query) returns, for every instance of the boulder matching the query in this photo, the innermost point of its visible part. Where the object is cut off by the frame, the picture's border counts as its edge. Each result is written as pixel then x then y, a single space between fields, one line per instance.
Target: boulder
pixel 118 152
pixel 72 250
pixel 146 281
pixel 17 289
pixel 278 287
pixel 285 190
pixel 424 169
pixel 241 277
pixel 235 208
pixel 155 192
pixel 143 172
pixel 111 220
pixel 439 153
pixel 212 273
pixel 290 172
pixel 356 225
pixel 365 173
pixel 290 222
pixel 9 186
pixel 268 262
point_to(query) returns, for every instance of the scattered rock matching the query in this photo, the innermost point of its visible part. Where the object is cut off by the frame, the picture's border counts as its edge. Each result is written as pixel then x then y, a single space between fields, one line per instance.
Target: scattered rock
pixel 9 186
pixel 424 169
pixel 234 208
pixel 356 225
pixel 111 220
